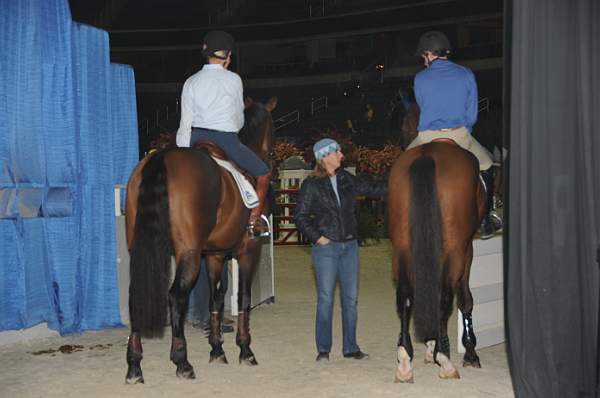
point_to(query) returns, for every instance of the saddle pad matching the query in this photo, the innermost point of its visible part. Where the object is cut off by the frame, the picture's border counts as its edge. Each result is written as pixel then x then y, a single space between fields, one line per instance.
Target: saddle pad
pixel 247 191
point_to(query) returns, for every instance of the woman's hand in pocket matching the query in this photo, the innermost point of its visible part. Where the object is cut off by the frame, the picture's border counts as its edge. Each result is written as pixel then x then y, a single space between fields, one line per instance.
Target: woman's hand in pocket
pixel 322 241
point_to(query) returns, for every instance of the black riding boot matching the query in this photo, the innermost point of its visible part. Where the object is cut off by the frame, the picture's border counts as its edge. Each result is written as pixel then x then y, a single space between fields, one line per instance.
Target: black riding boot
pixel 487 228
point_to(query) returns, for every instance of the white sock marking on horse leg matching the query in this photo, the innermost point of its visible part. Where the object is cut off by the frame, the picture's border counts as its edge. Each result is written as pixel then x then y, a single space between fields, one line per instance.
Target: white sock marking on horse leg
pixel 430 347
pixel 404 373
pixel 447 369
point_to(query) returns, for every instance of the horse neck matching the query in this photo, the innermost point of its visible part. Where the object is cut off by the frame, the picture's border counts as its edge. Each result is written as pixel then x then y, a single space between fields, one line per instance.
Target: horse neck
pixel 259 134
pixel 255 145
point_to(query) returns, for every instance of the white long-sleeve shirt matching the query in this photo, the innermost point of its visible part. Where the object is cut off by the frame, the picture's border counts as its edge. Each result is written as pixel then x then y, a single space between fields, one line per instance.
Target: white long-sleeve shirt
pixel 212 98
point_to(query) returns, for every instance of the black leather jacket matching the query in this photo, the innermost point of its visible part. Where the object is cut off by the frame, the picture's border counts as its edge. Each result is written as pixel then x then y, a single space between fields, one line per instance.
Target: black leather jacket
pixel 318 212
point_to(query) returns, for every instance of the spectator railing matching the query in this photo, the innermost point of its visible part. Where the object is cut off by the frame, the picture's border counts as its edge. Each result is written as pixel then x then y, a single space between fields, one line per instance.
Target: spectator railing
pixel 287 119
pixel 317 104
pixel 483 105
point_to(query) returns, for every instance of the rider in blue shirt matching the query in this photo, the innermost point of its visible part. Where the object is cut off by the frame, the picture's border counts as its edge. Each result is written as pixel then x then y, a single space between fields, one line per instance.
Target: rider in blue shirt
pixel 447 96
pixel 453 106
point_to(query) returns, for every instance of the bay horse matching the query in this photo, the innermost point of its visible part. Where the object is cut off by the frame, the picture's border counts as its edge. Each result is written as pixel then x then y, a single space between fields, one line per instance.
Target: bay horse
pixel 181 203
pixel 436 203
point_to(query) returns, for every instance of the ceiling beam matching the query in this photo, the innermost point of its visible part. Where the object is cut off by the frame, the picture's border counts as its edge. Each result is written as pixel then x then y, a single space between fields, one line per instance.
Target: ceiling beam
pixel 332 35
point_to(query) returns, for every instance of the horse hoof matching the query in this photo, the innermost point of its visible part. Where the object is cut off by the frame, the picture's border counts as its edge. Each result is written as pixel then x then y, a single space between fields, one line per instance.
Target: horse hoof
pixel 404 372
pixel 134 380
pixel 250 361
pixel 449 374
pixel 476 364
pixel 134 376
pixel 404 378
pixel 185 372
pixel 218 359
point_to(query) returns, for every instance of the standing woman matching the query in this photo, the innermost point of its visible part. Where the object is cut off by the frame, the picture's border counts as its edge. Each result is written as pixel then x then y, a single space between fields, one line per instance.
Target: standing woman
pixel 325 216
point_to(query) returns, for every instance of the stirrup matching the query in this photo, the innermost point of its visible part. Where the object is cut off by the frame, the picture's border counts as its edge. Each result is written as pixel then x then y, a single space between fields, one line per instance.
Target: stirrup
pixel 487 229
pixel 255 232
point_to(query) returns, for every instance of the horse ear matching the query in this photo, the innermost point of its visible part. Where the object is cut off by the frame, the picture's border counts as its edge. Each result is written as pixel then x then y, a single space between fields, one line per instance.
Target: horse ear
pixel 248 101
pixel 271 104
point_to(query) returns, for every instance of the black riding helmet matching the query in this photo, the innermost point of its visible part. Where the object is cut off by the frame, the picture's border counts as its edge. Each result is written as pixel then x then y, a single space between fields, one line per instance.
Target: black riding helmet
pixel 217 40
pixel 434 41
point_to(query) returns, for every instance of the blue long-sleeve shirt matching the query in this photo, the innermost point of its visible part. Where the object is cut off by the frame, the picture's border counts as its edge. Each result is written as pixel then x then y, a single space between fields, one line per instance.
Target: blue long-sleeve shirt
pixel 447 95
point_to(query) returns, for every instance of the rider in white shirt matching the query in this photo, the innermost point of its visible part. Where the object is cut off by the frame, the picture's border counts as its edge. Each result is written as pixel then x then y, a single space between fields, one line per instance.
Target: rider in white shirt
pixel 212 109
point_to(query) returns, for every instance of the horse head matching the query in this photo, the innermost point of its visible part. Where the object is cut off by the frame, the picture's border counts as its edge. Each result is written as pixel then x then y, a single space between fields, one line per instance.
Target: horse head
pixel 257 133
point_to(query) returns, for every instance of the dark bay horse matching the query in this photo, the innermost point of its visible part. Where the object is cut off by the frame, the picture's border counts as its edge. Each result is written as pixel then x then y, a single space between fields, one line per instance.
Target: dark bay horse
pixel 409 123
pixel 181 203
pixel 436 203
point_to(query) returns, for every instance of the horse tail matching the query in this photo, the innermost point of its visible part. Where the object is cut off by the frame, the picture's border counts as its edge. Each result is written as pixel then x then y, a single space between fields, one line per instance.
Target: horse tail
pixel 426 247
pixel 150 253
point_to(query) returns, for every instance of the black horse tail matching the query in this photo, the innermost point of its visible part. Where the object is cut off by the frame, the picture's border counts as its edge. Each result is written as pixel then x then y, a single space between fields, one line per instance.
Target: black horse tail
pixel 150 254
pixel 426 247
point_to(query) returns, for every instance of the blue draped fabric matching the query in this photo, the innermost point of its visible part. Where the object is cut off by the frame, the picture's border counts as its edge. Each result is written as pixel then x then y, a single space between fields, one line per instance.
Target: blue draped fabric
pixel 69 136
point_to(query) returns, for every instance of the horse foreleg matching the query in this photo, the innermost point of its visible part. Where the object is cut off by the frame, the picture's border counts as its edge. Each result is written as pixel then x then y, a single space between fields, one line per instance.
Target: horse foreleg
pixel 185 278
pixel 243 337
pixel 216 305
pixel 469 341
pixel 134 357
pixel 465 304
pixel 404 298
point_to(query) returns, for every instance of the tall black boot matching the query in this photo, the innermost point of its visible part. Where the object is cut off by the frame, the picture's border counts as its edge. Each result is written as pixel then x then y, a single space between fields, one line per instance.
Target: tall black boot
pixel 487 228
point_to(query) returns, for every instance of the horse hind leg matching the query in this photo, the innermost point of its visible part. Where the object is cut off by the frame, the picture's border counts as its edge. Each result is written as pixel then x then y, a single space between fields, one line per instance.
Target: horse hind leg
pixel 188 267
pixel 441 349
pixel 215 264
pixel 134 359
pixel 404 299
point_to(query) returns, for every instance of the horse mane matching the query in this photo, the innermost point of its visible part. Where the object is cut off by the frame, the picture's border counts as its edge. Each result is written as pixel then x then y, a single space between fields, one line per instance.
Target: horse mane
pixel 254 115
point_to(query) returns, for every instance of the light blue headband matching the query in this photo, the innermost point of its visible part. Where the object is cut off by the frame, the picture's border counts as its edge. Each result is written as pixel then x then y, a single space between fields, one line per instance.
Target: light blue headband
pixel 324 147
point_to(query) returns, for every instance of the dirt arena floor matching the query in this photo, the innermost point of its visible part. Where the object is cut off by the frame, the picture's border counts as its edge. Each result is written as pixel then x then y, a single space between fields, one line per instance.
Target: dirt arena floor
pixel 283 341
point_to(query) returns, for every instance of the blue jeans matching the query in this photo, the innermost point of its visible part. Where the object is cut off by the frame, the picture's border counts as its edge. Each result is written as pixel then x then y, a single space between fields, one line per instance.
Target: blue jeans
pixel 237 152
pixel 332 261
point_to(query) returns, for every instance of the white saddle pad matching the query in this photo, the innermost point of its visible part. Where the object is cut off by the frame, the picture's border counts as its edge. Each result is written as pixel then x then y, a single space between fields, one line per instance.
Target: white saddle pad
pixel 247 191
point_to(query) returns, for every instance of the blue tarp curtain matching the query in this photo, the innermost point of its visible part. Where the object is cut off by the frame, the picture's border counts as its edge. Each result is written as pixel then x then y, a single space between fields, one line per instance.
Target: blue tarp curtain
pixel 69 135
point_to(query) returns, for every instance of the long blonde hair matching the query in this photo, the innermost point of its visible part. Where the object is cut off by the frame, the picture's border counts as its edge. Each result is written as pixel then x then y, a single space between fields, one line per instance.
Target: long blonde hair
pixel 320 170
